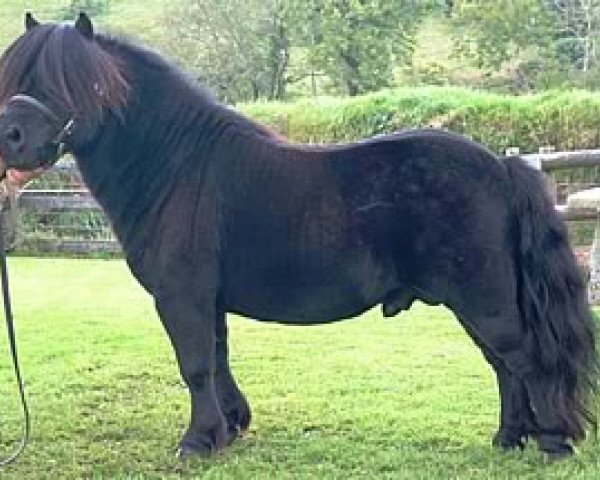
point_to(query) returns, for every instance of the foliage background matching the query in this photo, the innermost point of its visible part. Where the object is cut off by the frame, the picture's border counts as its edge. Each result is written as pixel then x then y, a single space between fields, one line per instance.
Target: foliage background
pixel 245 50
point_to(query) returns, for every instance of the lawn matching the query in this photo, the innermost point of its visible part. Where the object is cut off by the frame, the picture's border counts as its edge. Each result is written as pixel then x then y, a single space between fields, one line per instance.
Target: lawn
pixel 407 397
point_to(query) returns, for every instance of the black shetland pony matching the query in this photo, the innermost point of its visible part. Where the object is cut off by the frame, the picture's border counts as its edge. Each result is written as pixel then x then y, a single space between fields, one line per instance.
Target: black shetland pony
pixel 216 215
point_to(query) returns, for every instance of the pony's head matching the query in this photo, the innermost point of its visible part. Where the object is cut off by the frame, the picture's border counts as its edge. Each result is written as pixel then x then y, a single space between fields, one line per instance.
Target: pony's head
pixel 57 86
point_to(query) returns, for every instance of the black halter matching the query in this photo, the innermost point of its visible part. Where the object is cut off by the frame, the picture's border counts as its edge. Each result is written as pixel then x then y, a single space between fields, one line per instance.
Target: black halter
pixel 62 138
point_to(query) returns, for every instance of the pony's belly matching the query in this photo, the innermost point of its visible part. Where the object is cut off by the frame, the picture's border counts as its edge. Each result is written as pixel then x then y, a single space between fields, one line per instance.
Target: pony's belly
pixel 300 305
pixel 310 297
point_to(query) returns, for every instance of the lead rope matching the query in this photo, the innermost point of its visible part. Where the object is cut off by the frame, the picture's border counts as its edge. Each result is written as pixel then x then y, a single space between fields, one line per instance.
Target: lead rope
pixel 10 329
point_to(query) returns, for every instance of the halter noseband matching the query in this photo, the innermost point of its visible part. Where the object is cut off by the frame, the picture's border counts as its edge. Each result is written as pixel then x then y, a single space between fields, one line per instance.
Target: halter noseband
pixel 61 139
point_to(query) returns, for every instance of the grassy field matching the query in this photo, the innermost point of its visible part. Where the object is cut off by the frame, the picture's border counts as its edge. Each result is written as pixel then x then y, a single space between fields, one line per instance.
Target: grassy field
pixel 407 397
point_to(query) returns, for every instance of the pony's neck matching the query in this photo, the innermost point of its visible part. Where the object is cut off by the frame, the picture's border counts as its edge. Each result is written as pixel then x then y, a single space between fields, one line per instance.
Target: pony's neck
pixel 169 132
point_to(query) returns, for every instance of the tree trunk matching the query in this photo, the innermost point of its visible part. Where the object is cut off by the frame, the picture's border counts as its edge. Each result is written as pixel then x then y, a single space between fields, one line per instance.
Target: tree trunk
pixel 351 71
pixel 279 58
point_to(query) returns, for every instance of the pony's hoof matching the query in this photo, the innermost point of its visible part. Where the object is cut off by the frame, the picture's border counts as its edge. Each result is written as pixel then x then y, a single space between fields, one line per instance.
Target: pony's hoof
pixel 204 443
pixel 238 419
pixel 506 440
pixel 186 451
pixel 235 409
pixel 205 446
pixel 562 453
pixel 555 447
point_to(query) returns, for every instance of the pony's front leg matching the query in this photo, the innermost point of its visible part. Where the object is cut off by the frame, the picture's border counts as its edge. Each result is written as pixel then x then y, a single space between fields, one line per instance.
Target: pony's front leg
pixel 232 401
pixel 190 323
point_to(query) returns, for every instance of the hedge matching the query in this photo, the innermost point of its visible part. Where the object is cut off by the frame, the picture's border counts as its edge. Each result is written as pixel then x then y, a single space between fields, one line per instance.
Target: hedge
pixel 567 120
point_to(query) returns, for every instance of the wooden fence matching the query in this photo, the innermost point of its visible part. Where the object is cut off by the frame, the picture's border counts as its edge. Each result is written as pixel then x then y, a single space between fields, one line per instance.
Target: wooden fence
pixel 63 220
pixel 550 162
pixel 44 202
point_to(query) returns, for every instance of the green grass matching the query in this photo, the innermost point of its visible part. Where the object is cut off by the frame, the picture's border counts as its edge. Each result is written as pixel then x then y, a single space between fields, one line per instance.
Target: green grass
pixel 407 397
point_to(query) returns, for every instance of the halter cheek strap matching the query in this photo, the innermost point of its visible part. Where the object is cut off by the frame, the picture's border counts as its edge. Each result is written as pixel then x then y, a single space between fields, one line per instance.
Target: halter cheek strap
pixel 62 138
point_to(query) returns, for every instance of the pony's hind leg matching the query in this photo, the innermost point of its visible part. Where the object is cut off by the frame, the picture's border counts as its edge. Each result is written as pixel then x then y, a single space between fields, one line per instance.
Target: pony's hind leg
pixel 516 417
pixel 503 335
pixel 231 400
pixel 544 391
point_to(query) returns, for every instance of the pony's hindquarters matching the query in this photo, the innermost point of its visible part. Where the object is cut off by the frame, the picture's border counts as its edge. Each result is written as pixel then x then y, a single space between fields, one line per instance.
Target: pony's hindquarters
pixel 522 298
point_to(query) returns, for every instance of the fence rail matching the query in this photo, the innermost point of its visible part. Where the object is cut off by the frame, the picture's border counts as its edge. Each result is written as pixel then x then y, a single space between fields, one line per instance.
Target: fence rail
pixel 74 247
pixel 550 161
pixel 43 201
pixel 553 161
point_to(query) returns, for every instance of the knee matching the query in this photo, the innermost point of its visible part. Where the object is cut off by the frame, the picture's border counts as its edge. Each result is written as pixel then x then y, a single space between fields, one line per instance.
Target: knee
pixel 197 375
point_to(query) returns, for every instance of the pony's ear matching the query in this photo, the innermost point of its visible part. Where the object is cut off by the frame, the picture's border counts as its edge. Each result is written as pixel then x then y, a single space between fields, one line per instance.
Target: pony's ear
pixel 84 25
pixel 30 22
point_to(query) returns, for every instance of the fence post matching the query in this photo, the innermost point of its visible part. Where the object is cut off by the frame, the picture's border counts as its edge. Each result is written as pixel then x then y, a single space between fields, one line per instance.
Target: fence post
pixel 594 264
pixel 550 180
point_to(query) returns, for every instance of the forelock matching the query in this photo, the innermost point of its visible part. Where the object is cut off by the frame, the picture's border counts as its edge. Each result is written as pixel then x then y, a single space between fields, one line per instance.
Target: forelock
pixel 73 72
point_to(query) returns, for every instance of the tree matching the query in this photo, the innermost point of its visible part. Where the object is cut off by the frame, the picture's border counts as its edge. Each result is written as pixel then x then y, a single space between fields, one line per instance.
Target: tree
pixel 92 7
pixel 578 31
pixel 241 49
pixel 357 42
pixel 561 36
pixel 494 31
pixel 238 48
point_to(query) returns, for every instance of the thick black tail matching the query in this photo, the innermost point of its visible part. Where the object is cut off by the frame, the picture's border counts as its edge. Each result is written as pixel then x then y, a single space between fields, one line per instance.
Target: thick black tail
pixel 553 303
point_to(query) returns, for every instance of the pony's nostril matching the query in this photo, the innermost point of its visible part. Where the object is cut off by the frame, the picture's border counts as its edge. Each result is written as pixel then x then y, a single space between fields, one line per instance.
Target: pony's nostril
pixel 14 134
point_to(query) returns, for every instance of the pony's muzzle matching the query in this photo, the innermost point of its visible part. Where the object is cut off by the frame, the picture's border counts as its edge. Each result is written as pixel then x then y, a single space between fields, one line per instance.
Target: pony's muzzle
pixel 32 135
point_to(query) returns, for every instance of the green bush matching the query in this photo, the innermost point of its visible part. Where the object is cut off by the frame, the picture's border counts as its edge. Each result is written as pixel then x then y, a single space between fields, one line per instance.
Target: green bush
pixel 567 120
